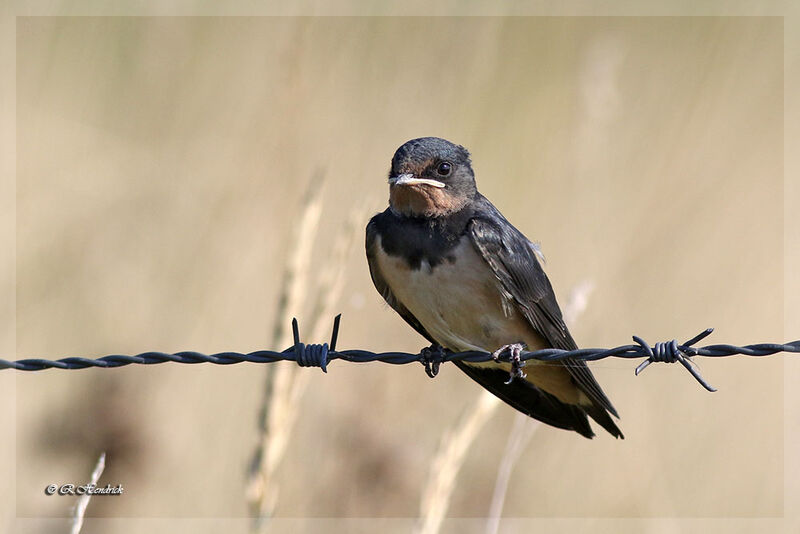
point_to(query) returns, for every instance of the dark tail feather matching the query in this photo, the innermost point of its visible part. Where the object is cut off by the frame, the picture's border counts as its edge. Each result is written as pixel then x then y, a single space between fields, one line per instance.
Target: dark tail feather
pixel 536 403
pixel 600 415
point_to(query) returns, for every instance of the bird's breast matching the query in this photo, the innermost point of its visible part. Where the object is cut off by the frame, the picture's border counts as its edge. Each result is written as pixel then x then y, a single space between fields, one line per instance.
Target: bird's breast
pixel 459 300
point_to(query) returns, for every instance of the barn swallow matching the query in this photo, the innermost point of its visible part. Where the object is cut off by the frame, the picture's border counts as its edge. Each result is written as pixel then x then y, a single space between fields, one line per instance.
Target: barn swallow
pixel 445 259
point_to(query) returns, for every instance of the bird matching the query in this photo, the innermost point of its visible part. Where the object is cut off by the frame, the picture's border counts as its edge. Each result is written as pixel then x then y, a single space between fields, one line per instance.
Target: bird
pixel 459 273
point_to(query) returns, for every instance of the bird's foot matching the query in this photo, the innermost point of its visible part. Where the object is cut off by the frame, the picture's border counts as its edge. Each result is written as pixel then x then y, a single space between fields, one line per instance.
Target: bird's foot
pixel 431 357
pixel 514 351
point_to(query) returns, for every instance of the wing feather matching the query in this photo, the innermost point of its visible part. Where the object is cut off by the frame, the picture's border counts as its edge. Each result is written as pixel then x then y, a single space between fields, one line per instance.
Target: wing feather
pixel 513 261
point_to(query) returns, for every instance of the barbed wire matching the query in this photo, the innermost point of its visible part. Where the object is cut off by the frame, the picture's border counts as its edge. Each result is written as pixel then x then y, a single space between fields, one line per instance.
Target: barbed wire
pixel 316 355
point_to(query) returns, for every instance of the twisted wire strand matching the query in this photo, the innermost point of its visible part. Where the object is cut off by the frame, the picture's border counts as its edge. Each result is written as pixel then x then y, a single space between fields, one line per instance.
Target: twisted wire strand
pixel 319 355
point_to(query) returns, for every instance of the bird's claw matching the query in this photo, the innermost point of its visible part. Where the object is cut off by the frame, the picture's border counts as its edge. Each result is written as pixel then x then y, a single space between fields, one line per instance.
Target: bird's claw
pixel 514 351
pixel 431 357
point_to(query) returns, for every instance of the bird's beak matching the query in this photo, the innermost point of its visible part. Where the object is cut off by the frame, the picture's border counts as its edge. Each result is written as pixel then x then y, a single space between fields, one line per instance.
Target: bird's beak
pixel 408 179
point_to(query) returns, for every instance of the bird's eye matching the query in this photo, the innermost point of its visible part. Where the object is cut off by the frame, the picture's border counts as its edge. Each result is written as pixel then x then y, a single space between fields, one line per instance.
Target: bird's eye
pixel 444 168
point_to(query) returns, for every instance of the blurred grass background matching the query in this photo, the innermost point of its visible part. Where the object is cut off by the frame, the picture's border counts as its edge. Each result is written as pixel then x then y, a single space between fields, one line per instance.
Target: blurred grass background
pixel 160 162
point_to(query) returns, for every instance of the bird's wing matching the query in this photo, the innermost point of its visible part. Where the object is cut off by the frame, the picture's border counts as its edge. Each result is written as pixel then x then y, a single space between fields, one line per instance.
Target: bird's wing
pixel 383 287
pixel 513 261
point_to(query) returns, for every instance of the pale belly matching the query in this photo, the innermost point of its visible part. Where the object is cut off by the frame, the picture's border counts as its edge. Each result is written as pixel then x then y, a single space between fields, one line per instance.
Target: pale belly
pixel 461 306
pixel 459 303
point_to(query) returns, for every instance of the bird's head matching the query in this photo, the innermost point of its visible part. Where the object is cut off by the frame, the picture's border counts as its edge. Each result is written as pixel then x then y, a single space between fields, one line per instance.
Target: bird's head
pixel 430 177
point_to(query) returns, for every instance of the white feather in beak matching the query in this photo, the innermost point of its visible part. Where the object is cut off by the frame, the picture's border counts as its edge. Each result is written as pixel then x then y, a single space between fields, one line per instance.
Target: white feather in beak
pixel 409 179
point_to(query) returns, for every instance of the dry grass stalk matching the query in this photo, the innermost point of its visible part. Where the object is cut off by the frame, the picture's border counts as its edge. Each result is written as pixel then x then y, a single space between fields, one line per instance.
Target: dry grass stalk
pixel 577 302
pixel 524 427
pixel 261 492
pixel 333 277
pixel 294 286
pixel 329 292
pixel 521 434
pixel 83 500
pixel 448 461
pixel 287 383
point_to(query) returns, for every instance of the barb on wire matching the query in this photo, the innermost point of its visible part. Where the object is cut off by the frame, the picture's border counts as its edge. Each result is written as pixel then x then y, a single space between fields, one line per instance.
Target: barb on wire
pixel 671 352
pixel 431 357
